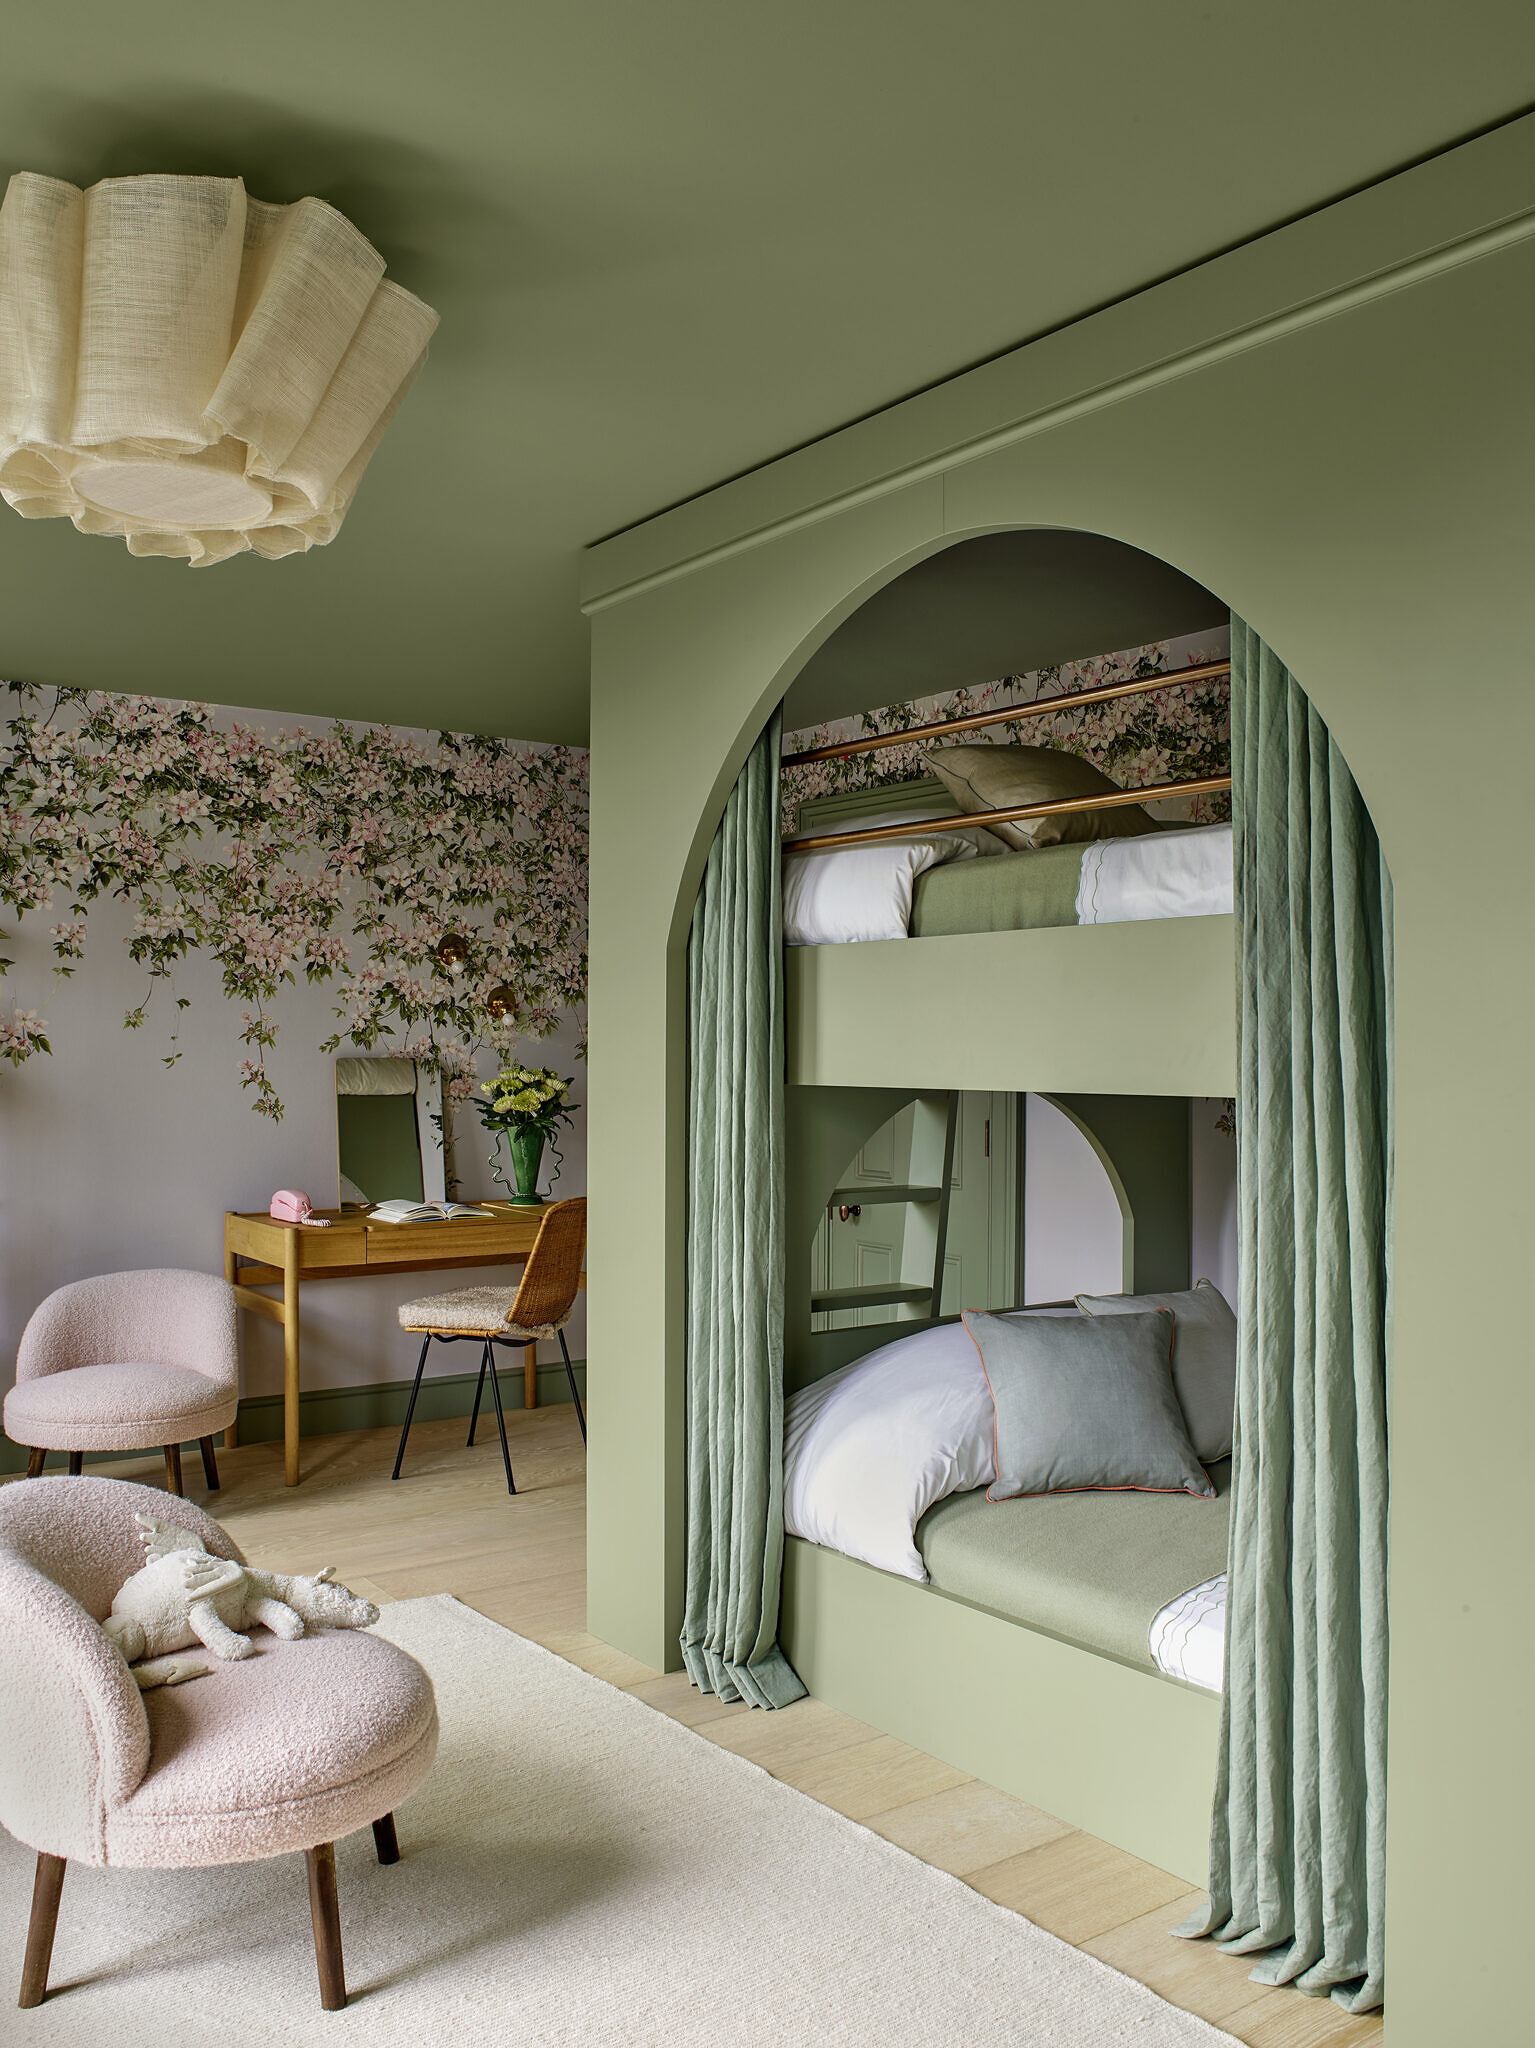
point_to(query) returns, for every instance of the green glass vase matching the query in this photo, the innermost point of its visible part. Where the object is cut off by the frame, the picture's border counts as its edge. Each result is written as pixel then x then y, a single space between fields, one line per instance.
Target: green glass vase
pixel 527 1150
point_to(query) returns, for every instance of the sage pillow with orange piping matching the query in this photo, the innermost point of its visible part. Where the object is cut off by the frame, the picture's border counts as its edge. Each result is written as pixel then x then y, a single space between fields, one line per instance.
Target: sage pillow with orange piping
pixel 1084 1404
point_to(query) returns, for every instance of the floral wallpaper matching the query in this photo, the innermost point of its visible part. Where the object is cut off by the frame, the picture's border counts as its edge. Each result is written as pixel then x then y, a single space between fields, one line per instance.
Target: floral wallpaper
pixel 1169 735
pixel 345 854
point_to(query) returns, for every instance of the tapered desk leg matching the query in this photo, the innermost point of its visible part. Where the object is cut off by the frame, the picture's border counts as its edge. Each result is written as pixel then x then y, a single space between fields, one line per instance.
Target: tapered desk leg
pixel 290 1356
pixel 530 1375
pixel 231 1274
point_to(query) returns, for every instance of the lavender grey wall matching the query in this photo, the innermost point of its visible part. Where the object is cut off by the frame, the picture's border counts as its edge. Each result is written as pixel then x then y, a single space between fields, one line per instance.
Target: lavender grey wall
pixel 110 1160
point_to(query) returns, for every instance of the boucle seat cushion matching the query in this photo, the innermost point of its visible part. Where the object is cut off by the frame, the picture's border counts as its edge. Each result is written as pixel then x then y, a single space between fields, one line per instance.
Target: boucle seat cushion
pixel 117 1408
pixel 475 1312
pixel 302 1743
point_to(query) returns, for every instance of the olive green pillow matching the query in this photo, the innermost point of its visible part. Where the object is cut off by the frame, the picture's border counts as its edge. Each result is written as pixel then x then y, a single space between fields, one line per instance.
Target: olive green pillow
pixel 1085 1403
pixel 987 778
pixel 1204 1357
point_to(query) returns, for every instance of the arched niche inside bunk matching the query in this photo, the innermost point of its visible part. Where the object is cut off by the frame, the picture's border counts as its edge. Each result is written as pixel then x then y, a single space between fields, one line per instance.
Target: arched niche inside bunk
pixel 1138 1145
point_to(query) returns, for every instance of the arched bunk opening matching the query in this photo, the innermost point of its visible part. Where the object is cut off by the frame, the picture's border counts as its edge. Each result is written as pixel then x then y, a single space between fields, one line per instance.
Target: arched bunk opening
pixel 1113 1049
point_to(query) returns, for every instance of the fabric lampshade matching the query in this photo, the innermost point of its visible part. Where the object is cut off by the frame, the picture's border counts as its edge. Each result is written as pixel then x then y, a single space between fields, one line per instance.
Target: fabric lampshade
pixel 194 370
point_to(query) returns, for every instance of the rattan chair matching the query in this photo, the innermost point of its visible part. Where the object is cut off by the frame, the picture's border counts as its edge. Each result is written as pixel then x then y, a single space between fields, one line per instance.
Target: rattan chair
pixel 540 1306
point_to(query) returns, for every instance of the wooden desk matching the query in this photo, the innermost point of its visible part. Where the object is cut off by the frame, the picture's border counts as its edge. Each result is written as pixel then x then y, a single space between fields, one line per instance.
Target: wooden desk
pixel 261 1252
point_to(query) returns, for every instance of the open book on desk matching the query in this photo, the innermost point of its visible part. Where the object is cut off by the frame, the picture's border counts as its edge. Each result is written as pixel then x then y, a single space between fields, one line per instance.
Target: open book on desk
pixel 406 1211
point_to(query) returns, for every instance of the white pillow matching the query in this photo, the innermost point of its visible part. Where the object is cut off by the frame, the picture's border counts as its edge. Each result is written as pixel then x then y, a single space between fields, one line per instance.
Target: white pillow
pixel 869 1449
pixel 849 893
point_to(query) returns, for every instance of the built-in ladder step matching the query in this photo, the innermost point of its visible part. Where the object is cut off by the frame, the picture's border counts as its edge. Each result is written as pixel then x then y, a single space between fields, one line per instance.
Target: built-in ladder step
pixel 888 1294
pixel 864 1198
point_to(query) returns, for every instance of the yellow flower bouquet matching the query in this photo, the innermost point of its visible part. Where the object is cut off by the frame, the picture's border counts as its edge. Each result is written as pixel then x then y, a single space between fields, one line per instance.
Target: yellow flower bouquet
pixel 525 1106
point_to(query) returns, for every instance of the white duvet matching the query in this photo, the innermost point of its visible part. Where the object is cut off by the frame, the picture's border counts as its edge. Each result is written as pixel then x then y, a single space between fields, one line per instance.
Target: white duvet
pixel 1164 874
pixel 1188 1637
pixel 853 893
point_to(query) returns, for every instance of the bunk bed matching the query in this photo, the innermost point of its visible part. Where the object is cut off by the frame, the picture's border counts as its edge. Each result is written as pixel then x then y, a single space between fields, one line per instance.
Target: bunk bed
pixel 986 935
pixel 1035 1618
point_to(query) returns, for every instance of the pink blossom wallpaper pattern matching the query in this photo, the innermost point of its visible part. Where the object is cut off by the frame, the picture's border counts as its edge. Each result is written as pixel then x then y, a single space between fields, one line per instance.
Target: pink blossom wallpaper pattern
pixel 340 852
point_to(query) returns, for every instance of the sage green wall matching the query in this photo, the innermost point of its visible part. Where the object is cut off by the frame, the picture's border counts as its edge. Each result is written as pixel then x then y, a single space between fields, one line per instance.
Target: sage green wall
pixel 1143 1141
pixel 1332 429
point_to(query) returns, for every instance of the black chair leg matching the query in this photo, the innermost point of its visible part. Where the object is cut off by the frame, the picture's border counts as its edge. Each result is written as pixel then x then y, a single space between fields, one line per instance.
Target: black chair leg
pixel 495 1388
pixel 474 1416
pixel 210 1463
pixel 570 1374
pixel 399 1456
pixel 76 1463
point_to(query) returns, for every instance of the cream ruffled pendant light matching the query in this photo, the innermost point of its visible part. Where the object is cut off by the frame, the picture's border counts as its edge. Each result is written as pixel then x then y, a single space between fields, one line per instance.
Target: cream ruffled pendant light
pixel 191 369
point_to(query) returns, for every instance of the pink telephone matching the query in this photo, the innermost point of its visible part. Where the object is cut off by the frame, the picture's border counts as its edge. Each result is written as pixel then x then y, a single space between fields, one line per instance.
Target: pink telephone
pixel 289 1206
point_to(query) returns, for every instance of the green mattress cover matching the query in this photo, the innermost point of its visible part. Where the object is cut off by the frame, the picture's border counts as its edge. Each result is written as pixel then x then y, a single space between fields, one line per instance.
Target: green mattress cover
pixel 1000 892
pixel 1092 1568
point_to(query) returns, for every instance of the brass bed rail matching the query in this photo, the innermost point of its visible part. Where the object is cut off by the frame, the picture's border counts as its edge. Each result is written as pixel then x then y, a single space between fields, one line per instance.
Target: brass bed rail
pixel 1041 707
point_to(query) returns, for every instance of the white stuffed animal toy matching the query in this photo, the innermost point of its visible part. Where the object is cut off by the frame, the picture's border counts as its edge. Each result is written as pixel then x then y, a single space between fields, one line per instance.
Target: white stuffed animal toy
pixel 184 1595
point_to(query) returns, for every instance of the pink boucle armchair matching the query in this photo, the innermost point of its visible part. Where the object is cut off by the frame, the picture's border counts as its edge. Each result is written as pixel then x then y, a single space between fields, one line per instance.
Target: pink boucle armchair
pixel 282 1751
pixel 128 1362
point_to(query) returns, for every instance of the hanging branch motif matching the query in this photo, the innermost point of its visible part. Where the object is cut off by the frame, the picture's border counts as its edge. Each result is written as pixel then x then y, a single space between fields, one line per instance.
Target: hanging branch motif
pixel 347 854
pixel 1176 734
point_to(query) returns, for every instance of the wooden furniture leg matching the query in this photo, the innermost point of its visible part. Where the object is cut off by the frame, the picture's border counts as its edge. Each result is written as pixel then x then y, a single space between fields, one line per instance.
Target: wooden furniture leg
pixel 76 1463
pixel 530 1375
pixel 46 1886
pixel 290 1357
pixel 36 1460
pixel 385 1840
pixel 173 1468
pixel 210 1463
pixel 321 1863
pixel 231 1274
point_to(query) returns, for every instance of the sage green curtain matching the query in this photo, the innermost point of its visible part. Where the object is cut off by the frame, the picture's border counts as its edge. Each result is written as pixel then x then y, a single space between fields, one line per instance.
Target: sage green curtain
pixel 1297 1858
pixel 736 1252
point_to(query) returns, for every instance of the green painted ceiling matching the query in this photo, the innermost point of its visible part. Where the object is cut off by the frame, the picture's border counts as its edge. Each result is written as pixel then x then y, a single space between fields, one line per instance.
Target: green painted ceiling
pixel 669 240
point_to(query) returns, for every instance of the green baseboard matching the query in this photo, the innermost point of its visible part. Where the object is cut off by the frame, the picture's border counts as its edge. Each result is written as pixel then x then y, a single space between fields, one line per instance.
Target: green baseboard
pixel 330 1411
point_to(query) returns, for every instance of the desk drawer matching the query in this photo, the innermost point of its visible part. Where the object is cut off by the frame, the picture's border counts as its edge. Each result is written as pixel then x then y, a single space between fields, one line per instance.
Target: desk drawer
pixel 260 1237
pixel 341 1245
pixel 421 1244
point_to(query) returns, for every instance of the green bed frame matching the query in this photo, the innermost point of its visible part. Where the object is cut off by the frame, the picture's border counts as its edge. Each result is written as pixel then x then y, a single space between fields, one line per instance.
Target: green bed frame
pixel 1124 1754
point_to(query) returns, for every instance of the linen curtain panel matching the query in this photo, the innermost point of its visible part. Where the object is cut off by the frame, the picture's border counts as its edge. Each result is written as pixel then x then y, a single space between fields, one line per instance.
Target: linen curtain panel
pixel 736 1252
pixel 1297 1859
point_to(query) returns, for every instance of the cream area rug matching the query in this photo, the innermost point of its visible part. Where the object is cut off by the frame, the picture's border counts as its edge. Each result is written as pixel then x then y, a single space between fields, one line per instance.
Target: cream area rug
pixel 577 1869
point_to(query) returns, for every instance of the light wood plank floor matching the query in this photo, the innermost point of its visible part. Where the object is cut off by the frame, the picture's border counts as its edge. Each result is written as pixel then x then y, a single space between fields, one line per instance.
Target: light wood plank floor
pixel 449 1527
